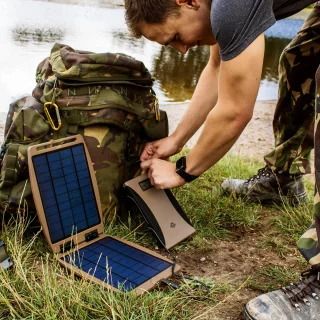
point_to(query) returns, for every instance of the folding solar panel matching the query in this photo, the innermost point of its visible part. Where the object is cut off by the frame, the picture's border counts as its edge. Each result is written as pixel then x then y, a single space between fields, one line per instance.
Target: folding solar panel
pixel 68 205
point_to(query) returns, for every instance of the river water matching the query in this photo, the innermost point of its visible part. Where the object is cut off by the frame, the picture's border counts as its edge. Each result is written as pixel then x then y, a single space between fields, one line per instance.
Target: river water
pixel 29 28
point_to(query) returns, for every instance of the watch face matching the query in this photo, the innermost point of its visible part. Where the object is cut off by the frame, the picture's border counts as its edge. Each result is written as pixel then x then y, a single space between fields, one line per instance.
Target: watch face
pixel 180 165
pixel 180 170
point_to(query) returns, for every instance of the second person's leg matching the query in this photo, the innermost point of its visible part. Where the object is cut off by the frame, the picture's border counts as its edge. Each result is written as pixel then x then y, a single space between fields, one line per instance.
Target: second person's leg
pixel 281 179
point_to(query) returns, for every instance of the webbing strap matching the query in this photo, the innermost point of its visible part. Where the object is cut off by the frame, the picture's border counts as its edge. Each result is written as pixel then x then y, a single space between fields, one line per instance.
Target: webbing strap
pixel 74 119
pixel 8 174
pixel 77 118
pixel 73 129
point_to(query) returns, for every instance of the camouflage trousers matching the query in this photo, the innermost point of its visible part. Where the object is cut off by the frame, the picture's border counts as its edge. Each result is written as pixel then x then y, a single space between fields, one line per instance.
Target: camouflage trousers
pixel 308 243
pixel 294 114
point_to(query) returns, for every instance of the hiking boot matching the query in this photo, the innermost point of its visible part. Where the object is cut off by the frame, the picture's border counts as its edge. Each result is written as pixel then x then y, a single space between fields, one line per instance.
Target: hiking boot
pixel 296 302
pixel 268 186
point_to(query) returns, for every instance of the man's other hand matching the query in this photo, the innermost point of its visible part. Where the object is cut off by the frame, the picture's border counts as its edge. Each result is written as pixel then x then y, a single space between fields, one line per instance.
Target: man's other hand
pixel 162 174
pixel 160 149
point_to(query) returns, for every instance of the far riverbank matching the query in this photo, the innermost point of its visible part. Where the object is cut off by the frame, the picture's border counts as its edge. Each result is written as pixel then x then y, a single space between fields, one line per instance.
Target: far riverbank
pixel 256 140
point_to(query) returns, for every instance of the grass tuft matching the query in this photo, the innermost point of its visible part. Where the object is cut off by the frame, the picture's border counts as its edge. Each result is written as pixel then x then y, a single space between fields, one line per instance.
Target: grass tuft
pixel 292 222
pixel 273 278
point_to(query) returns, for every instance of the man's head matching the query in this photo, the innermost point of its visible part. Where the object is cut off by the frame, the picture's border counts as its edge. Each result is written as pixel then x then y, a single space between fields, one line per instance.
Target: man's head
pixel 180 23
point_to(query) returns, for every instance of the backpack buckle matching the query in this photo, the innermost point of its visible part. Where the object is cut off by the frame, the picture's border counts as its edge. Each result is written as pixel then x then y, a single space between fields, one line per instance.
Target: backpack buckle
pixel 56 128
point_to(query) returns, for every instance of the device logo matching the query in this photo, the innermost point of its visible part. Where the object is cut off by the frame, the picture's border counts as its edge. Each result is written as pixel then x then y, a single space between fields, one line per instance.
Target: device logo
pixel 172 225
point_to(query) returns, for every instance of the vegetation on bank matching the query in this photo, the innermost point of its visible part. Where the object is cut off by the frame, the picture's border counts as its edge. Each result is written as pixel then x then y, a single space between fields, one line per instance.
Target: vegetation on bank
pixel 38 288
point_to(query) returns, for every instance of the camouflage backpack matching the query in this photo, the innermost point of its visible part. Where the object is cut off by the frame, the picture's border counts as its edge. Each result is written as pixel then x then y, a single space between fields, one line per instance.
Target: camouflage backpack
pixel 107 98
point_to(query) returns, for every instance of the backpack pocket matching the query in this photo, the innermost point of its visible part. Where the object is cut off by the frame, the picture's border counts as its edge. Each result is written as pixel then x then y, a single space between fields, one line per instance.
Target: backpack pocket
pixel 28 127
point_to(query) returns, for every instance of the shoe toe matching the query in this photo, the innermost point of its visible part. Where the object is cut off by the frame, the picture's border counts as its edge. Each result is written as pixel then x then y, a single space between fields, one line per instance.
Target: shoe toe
pixel 232 185
pixel 276 306
pixel 263 308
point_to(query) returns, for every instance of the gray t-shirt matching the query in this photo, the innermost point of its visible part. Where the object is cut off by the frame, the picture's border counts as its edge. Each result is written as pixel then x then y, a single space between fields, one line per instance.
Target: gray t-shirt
pixel 237 23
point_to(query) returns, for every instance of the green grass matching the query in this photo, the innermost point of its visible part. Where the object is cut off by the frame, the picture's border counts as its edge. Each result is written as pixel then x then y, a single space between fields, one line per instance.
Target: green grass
pixel 273 277
pixel 273 242
pixel 39 288
pixel 294 221
pixel 214 215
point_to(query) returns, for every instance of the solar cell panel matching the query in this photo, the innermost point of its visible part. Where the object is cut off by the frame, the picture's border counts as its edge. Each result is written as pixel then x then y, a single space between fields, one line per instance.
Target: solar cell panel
pixel 67 200
pixel 66 191
pixel 117 263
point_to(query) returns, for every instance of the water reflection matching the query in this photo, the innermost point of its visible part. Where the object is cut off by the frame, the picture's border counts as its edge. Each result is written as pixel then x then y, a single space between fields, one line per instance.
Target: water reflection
pixel 22 35
pixel 274 48
pixel 178 74
pixel 130 42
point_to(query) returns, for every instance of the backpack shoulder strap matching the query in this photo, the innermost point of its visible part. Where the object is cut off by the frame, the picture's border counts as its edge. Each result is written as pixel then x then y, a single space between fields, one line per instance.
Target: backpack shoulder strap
pixel 8 175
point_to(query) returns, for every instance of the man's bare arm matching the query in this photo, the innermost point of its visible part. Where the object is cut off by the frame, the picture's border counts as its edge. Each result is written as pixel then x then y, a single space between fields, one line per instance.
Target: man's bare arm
pixel 203 100
pixel 239 82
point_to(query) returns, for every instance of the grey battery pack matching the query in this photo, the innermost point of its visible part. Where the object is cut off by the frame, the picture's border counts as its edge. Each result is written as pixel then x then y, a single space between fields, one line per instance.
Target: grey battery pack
pixel 161 211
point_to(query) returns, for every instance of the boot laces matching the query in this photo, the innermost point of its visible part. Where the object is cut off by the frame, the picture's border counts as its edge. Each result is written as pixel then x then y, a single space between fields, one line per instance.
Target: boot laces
pixel 299 292
pixel 263 172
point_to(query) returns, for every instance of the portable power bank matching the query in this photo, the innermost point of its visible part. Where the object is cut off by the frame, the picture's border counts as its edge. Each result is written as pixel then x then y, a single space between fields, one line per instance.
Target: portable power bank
pixel 68 205
pixel 161 210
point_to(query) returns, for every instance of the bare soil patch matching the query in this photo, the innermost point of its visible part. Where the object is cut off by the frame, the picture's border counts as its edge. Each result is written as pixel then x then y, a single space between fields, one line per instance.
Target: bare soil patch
pixel 237 262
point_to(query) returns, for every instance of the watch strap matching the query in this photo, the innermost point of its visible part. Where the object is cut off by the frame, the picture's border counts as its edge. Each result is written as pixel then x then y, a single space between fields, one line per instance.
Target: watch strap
pixel 181 166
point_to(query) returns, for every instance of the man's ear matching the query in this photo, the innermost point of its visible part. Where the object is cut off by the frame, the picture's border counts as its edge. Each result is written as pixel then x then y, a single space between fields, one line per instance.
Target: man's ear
pixel 192 4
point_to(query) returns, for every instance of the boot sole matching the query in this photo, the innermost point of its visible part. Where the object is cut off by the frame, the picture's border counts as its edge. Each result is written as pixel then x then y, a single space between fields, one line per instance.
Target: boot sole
pixel 293 200
pixel 247 316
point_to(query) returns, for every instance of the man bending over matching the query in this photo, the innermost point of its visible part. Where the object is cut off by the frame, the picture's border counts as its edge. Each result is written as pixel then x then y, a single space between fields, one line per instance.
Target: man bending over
pixel 225 96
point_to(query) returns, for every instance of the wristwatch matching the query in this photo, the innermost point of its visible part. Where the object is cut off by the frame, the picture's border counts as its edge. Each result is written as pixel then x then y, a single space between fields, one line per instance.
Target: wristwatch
pixel 181 166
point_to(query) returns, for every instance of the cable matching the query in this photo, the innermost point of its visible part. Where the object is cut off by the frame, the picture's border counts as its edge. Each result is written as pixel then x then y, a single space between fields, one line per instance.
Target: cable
pixel 176 286
pixel 168 282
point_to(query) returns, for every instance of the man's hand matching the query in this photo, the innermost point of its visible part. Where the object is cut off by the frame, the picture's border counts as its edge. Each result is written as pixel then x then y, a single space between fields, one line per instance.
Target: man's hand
pixel 162 174
pixel 160 149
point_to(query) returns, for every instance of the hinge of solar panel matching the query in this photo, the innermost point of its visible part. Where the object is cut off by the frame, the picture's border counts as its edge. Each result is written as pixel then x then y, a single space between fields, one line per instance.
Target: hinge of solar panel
pixel 91 235
pixel 66 246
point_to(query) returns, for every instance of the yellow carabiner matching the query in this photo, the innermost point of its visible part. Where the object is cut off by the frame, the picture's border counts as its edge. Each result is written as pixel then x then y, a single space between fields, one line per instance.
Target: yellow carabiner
pixel 156 108
pixel 49 116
